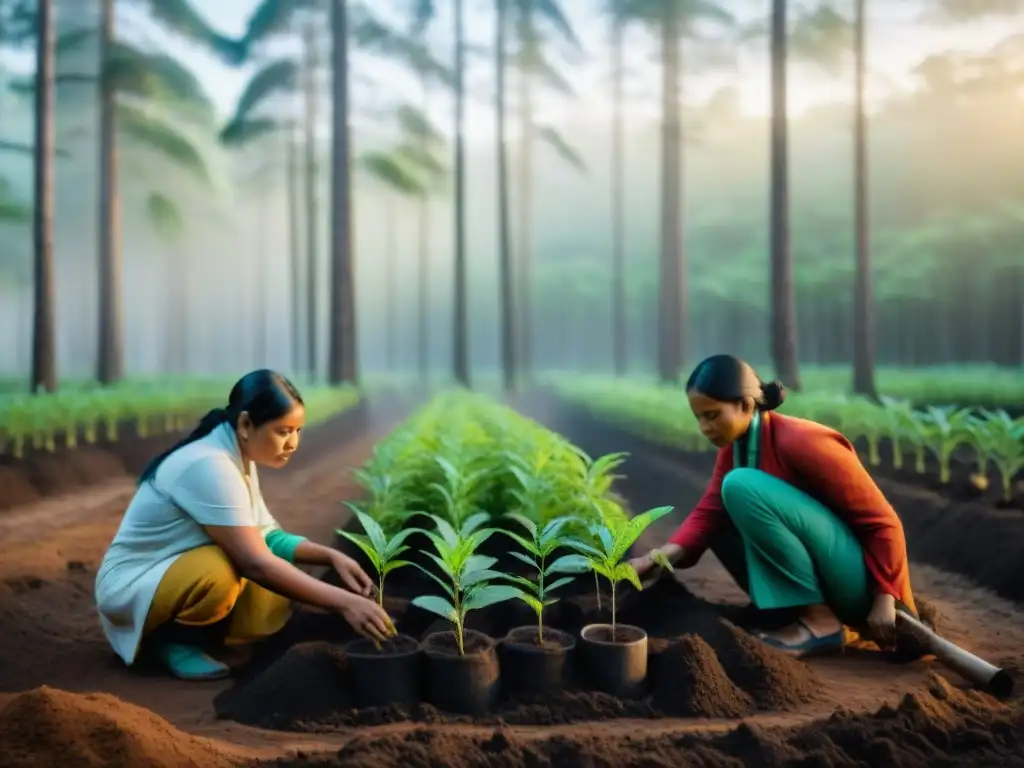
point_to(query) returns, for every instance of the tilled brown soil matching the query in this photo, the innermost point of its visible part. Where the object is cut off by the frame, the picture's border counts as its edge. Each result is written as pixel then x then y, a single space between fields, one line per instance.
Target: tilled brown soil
pixel 48 555
pixel 41 474
pixel 941 726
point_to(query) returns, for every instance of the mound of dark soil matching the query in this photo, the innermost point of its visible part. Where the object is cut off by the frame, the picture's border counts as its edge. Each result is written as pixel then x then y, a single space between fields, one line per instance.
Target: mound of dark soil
pixel 687 680
pixel 304 685
pixel 942 727
pixel 45 727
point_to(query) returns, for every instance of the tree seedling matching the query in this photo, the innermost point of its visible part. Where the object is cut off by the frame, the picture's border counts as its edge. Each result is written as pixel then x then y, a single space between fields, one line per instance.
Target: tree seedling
pixel 606 561
pixel 540 545
pixel 468 578
pixel 1005 439
pixel 378 548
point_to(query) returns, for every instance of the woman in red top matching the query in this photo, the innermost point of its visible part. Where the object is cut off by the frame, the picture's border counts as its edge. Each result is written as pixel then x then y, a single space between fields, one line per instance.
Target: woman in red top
pixel 792 514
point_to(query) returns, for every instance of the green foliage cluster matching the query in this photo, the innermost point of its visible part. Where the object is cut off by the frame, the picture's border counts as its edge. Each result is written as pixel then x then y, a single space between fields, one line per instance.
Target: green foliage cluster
pixel 463 454
pixel 663 414
pixel 41 421
pixel 474 468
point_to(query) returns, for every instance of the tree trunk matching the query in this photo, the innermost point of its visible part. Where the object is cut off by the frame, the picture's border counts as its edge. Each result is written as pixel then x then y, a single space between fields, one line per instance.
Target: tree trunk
pixel 423 295
pixel 44 352
pixel 294 242
pixel 525 267
pixel 670 286
pixel 110 363
pixel 390 284
pixel 262 254
pixel 619 359
pixel 505 276
pixel 312 214
pixel 460 335
pixel 783 298
pixel 863 317
pixel 343 365
pixel 178 325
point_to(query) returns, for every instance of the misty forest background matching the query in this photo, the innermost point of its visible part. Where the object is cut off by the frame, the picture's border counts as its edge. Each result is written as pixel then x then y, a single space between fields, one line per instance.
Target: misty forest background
pixel 224 207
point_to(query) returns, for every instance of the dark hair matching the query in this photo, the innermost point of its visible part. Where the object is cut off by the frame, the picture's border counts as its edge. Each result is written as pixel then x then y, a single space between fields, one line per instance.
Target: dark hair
pixel 264 394
pixel 729 379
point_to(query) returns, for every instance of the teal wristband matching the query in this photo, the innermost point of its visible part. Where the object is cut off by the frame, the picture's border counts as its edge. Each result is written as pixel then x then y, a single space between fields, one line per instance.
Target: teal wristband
pixel 283 544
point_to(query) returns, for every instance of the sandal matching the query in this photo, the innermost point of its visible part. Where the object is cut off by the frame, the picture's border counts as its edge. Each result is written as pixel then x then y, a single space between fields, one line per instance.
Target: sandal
pixel 812 646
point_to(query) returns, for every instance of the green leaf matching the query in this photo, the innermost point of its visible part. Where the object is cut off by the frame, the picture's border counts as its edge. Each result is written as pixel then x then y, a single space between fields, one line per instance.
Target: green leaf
pixel 393 565
pixel 182 18
pixel 392 171
pixel 557 583
pixel 525 522
pixel 569 564
pixel 478 563
pixel 562 148
pixel 525 558
pixel 629 533
pixel 533 602
pixel 472 578
pixel 490 595
pixel 473 522
pixel 152 132
pixel 606 538
pixel 584 548
pixel 526 544
pixel 447 532
pixel 372 529
pixel 532 586
pixel 280 76
pixel 241 133
pixel 363 543
pixel 395 545
pixel 164 216
pixel 437 605
pixel 660 559
pixel 415 124
pixel 626 572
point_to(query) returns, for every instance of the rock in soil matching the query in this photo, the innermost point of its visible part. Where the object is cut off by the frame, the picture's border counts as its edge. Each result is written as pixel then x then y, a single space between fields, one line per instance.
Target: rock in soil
pixel 46 728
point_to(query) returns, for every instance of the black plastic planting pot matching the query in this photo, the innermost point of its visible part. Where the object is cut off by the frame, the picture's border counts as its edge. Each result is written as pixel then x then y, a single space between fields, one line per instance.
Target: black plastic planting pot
pixel 465 684
pixel 535 668
pixel 385 676
pixel 614 664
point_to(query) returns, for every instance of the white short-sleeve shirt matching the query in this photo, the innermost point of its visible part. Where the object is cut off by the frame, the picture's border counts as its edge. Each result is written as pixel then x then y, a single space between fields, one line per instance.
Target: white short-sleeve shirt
pixel 199 484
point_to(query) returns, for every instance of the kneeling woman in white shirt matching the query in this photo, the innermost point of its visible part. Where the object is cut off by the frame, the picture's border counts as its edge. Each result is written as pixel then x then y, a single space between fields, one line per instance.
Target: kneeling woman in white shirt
pixel 199 559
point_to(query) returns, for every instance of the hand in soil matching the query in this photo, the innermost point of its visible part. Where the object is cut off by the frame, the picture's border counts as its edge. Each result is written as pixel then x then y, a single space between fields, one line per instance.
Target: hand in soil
pixel 882 622
pixel 367 618
pixel 352 576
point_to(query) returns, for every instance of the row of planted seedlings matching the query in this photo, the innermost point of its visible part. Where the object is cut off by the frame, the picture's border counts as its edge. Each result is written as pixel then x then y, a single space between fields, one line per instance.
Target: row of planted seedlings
pixel 46 421
pixel 992 438
pixel 502 517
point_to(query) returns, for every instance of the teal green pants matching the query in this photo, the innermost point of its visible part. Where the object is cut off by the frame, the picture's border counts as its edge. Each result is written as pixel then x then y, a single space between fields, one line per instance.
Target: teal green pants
pixel 791 550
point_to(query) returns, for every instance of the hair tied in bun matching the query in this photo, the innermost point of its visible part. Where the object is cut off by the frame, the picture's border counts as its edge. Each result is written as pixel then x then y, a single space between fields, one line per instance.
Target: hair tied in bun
pixel 773 394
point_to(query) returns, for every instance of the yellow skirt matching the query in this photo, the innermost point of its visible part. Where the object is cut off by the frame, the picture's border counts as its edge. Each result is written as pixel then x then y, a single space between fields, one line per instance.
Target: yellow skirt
pixel 202 588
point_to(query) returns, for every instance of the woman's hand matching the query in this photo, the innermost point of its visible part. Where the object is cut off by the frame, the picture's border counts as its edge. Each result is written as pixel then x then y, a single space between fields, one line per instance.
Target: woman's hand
pixel 644 563
pixel 352 576
pixel 882 621
pixel 366 617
